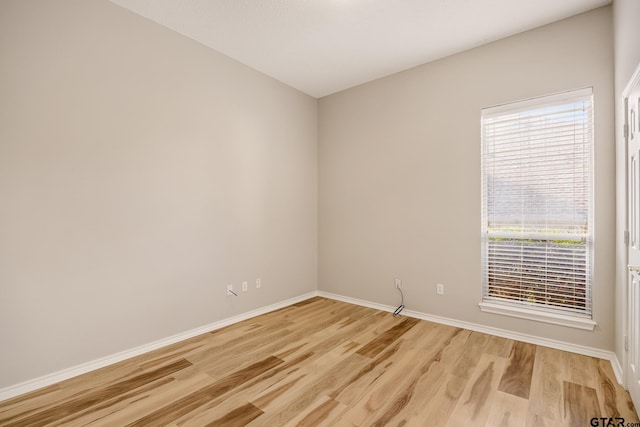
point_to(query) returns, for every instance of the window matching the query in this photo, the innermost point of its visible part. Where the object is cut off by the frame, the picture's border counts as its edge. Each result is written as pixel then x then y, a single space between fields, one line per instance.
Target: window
pixel 537 209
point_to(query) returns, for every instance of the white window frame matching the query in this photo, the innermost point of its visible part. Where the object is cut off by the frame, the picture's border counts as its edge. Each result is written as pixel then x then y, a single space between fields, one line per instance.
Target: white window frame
pixel 581 319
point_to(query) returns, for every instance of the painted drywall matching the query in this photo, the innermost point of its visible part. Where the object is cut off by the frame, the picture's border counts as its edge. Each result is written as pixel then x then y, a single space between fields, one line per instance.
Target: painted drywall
pixel 626 24
pixel 140 173
pixel 399 174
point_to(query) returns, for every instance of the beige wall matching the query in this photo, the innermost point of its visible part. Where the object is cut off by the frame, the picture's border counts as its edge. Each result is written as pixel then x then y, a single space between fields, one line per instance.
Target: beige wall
pixel 399 173
pixel 626 21
pixel 140 172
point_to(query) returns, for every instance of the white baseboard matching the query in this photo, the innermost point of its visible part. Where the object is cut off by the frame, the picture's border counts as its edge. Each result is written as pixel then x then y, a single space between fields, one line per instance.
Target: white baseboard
pixel 65 374
pixel 617 370
pixel 531 339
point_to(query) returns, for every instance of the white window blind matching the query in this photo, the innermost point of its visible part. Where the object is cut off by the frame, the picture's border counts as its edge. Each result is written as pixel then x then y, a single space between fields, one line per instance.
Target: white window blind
pixel 537 203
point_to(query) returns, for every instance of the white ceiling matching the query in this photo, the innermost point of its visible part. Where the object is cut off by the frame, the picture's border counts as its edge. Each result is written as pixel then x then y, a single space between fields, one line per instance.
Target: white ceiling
pixel 324 46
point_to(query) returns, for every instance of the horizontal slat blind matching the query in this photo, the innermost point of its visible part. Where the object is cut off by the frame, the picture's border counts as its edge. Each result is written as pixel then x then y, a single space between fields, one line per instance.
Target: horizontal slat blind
pixel 537 202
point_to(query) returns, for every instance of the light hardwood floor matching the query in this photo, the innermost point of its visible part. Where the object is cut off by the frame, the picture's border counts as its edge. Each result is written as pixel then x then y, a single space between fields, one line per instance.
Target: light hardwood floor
pixel 323 362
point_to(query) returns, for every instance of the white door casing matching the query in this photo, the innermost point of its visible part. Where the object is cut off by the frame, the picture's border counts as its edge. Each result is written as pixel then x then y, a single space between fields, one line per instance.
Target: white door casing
pixel 631 99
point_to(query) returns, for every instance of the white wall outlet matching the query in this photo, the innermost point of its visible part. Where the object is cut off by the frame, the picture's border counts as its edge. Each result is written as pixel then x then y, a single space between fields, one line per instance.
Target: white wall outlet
pixel 244 287
pixel 398 283
pixel 440 289
pixel 258 283
pixel 229 290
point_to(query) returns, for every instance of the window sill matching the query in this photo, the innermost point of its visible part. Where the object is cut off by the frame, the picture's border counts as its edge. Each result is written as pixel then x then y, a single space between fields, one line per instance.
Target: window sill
pixel 538 316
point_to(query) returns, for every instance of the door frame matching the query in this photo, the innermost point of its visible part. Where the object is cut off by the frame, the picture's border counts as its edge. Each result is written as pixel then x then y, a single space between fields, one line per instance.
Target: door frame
pixel 635 79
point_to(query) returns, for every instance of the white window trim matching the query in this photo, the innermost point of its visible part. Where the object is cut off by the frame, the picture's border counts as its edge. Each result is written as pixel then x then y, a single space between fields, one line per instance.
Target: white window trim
pixel 559 97
pixel 538 315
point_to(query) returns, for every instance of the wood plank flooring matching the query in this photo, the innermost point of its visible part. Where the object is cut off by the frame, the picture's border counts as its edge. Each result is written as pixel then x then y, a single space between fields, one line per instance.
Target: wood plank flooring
pixel 326 363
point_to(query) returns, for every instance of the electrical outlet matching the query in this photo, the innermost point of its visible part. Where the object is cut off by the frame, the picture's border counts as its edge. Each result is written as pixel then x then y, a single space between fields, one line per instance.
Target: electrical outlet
pixel 440 289
pixel 229 290
pixel 244 286
pixel 258 283
pixel 398 283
